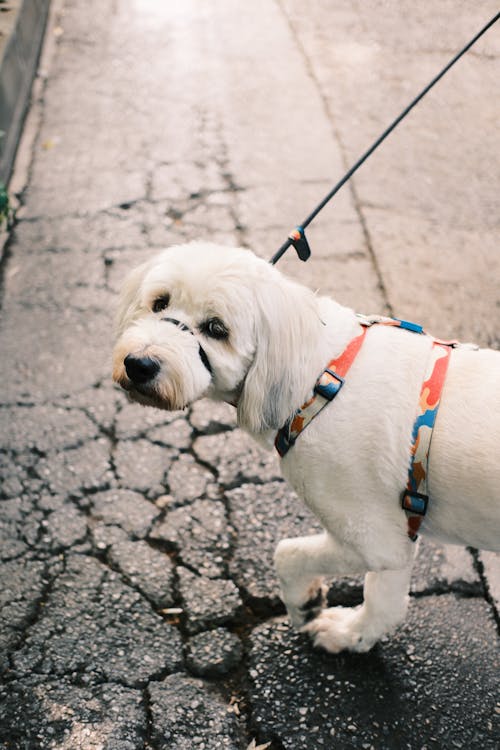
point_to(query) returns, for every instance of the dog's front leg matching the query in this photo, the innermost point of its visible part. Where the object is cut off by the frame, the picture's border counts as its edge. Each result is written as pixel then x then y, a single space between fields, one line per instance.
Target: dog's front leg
pixel 359 628
pixel 301 563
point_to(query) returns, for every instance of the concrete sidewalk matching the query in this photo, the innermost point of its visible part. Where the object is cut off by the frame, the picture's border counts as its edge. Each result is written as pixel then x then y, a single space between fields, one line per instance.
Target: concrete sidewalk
pixel 139 607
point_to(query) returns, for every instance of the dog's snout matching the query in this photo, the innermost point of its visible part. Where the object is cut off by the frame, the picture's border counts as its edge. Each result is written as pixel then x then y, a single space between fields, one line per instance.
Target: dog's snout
pixel 141 370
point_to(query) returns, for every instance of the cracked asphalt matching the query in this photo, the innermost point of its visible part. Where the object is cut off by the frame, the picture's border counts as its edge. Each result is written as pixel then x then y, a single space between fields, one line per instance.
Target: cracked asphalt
pixel 138 604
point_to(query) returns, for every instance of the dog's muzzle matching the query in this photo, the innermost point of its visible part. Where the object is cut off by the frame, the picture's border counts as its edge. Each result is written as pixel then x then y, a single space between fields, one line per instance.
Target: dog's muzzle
pixel 142 370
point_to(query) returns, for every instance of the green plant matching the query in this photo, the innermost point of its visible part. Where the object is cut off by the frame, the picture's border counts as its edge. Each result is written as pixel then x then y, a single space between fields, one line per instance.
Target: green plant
pixel 5 208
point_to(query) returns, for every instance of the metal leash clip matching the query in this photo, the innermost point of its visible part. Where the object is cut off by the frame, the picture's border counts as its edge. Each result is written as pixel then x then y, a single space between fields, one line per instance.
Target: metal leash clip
pixel 300 243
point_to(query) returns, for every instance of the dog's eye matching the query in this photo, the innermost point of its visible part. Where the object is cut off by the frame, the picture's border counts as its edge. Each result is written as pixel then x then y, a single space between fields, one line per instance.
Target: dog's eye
pixel 215 328
pixel 160 303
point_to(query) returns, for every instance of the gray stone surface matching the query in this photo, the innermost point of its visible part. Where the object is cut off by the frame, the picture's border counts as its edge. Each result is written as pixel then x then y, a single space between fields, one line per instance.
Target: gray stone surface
pixel 135 421
pixel 213 653
pixel 207 601
pixel 53 343
pixel 94 627
pixel 115 230
pixel 44 429
pixel 23 584
pixel 135 544
pixel 142 466
pixel 187 480
pixel 187 714
pixel 491 567
pixel 14 515
pixel 75 470
pixel 236 458
pixel 200 534
pixel 145 568
pixel 19 474
pixel 210 417
pixel 99 403
pixel 41 526
pixel 57 714
pixel 176 435
pixel 434 680
pixel 442 568
pixel 124 508
pixel 64 527
pixel 38 287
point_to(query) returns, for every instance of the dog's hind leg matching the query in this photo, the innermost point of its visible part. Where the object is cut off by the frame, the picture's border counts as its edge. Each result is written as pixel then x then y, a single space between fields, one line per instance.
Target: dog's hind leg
pixel 359 628
pixel 301 563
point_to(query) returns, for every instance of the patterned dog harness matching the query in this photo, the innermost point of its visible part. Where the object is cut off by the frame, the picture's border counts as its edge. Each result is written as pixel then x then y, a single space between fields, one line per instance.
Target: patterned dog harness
pixel 415 498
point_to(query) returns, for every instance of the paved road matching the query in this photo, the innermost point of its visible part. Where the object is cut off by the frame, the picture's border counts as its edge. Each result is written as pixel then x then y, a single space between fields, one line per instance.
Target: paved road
pixel 138 606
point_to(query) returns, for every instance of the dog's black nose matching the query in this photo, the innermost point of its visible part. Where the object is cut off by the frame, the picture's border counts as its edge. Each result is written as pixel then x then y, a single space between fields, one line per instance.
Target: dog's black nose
pixel 141 369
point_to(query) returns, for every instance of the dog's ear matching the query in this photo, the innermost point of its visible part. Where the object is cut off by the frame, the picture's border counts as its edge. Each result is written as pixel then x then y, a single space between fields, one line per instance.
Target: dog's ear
pixel 287 326
pixel 129 302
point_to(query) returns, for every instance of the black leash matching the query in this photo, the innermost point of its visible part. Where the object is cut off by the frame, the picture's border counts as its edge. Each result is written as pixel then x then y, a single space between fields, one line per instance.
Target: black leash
pixel 297 237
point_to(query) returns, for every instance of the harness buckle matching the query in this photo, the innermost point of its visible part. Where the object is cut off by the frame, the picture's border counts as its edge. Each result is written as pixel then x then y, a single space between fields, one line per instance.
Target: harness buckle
pixel 415 502
pixel 328 384
pixel 284 441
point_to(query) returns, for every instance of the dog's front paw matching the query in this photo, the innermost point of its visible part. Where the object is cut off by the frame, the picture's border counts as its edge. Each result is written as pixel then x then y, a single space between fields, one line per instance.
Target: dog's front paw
pixel 341 628
pixel 314 605
pixel 303 613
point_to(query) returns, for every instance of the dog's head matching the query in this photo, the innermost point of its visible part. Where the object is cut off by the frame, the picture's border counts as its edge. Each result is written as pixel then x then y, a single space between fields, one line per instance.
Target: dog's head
pixel 203 320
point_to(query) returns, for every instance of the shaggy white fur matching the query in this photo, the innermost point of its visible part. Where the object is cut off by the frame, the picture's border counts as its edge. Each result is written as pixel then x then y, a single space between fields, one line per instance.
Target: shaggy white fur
pixel 203 320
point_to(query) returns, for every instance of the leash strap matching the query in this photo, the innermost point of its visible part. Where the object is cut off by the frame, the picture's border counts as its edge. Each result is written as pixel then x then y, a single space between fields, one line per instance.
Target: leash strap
pixel 300 244
pixel 415 497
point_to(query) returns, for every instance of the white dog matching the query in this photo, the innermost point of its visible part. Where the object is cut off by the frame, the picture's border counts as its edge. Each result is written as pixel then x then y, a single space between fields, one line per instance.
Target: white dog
pixel 202 320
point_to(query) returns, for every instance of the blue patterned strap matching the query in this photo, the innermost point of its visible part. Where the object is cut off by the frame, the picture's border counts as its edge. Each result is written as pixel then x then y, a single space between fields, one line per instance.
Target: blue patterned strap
pixel 416 496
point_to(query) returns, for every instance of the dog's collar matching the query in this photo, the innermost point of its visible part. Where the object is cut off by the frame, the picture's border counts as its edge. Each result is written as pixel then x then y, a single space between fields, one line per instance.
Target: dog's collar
pixel 331 381
pixel 415 495
pixel 325 389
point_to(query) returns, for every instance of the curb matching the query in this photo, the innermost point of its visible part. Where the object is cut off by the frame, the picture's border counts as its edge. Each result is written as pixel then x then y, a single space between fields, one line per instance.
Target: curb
pixel 17 69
